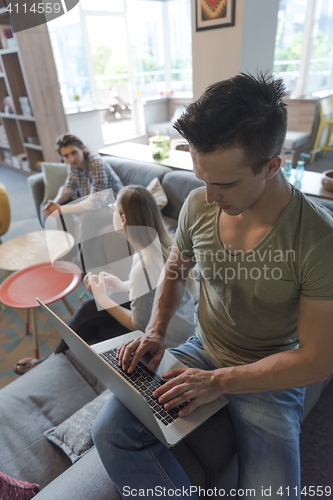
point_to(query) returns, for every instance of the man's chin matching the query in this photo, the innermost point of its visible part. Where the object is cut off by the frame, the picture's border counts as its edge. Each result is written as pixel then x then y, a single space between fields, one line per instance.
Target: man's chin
pixel 231 211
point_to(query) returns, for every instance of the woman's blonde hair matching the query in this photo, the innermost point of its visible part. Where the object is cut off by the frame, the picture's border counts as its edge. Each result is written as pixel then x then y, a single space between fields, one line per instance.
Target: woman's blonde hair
pixel 141 210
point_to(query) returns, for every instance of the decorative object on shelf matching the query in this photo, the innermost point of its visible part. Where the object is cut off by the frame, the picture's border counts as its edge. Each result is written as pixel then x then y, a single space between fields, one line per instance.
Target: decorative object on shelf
pixel 21 161
pixel 76 98
pixel 8 105
pixel 6 37
pixel 160 146
pixel 212 14
pixel 7 157
pixel 25 106
pixel 327 179
pixel 32 140
pixel 3 137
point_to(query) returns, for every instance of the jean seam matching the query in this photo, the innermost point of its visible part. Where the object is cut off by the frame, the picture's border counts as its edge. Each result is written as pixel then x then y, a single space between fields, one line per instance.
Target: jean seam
pixel 160 468
pixel 153 459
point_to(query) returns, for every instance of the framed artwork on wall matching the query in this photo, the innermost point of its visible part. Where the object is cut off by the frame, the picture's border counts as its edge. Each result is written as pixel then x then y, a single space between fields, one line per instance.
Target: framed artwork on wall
pixel 211 14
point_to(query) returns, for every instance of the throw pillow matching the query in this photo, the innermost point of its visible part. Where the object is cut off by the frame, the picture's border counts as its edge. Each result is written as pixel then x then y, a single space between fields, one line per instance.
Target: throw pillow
pixel 55 175
pixel 73 435
pixel 155 187
pixel 13 489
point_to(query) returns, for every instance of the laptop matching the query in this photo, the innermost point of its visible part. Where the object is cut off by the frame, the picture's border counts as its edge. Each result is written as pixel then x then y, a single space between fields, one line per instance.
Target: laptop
pixel 134 390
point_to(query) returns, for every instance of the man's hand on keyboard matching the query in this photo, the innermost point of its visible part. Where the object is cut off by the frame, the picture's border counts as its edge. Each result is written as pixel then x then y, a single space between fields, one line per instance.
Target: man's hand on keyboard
pixel 130 353
pixel 188 384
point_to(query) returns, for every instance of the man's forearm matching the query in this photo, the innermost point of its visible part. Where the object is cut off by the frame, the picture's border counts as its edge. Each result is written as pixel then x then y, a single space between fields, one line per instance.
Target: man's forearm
pixel 283 370
pixel 64 198
pixel 75 208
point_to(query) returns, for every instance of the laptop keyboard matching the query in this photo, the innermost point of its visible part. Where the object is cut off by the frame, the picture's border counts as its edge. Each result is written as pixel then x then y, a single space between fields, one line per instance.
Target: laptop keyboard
pixel 146 382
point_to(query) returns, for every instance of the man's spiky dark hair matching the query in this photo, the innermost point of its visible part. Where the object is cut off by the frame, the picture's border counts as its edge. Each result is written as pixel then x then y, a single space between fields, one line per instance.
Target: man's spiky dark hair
pixel 244 111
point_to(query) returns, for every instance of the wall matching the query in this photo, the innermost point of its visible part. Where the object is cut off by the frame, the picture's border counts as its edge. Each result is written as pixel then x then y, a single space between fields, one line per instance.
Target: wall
pixel 259 32
pixel 87 126
pixel 248 46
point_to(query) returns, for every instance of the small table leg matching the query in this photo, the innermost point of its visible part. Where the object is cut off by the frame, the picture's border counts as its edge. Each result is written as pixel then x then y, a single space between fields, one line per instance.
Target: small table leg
pixel 35 332
pixel 68 306
pixel 27 321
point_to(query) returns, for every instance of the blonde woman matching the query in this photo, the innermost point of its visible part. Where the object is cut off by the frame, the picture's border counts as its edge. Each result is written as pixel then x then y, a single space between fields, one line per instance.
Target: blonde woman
pixel 137 216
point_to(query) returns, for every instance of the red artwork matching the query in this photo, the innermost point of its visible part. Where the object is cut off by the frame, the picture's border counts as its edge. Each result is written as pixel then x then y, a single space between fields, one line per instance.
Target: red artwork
pixel 213 9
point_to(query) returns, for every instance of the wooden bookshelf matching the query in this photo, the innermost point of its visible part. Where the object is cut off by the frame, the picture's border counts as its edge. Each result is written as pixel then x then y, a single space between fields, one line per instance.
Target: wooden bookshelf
pixel 27 70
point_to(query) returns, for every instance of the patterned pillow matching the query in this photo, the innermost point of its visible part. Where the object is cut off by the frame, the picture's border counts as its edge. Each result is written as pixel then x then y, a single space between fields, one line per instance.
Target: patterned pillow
pixel 12 489
pixel 73 435
pixel 156 189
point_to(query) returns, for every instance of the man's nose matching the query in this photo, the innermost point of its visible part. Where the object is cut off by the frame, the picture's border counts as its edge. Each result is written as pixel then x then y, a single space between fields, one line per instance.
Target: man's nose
pixel 213 193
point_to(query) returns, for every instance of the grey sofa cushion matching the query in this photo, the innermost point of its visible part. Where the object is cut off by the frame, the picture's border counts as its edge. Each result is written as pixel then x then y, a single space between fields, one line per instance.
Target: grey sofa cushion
pixel 40 399
pixel 85 480
pixel 36 187
pixel 137 172
pixel 88 480
pixel 177 185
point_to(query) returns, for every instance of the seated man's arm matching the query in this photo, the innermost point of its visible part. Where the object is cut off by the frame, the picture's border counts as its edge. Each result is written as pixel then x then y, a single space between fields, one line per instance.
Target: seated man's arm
pixel 311 363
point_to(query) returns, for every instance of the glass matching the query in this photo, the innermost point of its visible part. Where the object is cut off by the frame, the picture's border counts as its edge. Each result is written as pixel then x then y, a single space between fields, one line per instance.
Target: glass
pixel 180 37
pixel 289 38
pixel 320 74
pixel 107 41
pixel 145 29
pixel 70 58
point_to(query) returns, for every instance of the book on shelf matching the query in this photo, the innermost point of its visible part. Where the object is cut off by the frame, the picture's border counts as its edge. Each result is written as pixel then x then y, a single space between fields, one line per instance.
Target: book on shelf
pixel 32 140
pixel 3 137
pixel 25 106
pixel 7 157
pixel 7 38
pixel 21 161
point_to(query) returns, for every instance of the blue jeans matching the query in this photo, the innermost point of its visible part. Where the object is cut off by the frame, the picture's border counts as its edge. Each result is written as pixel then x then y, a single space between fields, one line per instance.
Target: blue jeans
pixel 267 427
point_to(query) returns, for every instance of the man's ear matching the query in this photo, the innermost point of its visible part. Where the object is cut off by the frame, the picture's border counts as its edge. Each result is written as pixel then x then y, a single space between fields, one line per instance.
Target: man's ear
pixel 273 166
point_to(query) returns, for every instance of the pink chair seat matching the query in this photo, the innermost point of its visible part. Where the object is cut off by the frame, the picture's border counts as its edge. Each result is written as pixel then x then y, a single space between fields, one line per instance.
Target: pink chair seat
pixel 41 281
pixel 21 288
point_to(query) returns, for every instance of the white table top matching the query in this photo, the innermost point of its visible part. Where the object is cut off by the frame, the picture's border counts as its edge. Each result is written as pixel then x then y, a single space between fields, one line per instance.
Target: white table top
pixel 179 160
pixel 34 248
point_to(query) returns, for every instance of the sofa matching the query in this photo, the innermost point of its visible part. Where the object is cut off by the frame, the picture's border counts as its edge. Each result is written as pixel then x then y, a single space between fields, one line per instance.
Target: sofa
pixel 48 399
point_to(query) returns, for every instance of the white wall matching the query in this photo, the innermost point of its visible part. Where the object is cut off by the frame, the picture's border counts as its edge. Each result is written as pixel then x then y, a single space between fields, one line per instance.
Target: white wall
pixel 88 127
pixel 216 53
pixel 259 33
pixel 248 46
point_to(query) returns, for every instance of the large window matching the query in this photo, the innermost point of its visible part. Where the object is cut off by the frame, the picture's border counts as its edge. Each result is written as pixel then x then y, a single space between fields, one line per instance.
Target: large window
pixel 70 58
pixel 304 45
pixel 109 51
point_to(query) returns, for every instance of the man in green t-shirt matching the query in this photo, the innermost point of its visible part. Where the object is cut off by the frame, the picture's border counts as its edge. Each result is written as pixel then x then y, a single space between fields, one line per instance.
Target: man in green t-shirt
pixel 264 253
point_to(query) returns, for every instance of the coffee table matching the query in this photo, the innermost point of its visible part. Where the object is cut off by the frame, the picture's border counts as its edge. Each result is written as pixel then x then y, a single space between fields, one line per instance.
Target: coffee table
pixel 43 281
pixel 34 248
pixel 178 160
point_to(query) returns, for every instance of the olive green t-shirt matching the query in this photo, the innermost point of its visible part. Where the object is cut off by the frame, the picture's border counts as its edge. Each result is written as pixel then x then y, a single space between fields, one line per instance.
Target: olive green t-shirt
pixel 249 302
